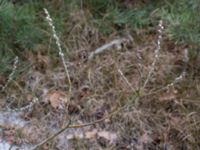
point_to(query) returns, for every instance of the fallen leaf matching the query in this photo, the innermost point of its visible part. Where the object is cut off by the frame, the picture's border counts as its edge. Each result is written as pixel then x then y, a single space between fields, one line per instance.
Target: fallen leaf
pixel 57 99
pixel 91 134
pixel 168 96
pixel 107 135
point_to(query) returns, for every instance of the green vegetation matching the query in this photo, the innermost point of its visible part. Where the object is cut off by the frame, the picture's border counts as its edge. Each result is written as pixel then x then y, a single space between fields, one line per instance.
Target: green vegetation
pixel 21 24
pixel 183 23
pixel 19 32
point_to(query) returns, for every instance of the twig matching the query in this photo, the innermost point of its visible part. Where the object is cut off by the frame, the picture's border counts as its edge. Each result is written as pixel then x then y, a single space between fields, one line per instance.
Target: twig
pixel 28 107
pixel 61 54
pixel 52 137
pixel 101 49
pixel 11 146
pixel 126 80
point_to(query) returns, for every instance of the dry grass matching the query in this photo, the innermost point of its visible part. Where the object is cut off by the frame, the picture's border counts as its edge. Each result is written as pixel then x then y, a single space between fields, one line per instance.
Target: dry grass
pixel 158 119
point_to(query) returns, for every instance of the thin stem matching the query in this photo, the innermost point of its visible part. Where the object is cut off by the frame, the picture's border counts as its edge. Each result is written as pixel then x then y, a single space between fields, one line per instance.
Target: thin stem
pixel 157 50
pixel 126 80
pixel 10 77
pixel 58 43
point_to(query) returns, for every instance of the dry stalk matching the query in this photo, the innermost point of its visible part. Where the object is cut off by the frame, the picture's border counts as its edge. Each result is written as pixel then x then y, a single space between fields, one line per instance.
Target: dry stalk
pixel 178 78
pixel 28 107
pixel 126 80
pixel 182 75
pixel 156 53
pixel 61 54
pixel 10 77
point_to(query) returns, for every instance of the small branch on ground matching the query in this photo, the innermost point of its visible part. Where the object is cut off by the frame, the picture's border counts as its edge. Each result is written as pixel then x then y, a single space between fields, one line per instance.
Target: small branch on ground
pixel 52 137
pixel 101 49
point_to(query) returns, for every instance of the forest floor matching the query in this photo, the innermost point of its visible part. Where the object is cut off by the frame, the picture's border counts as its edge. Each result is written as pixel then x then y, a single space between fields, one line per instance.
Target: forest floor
pixel 113 103
pixel 108 92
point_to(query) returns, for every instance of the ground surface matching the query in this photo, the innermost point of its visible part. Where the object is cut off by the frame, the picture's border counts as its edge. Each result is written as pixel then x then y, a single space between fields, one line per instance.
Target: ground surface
pixel 164 119
pixel 107 91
